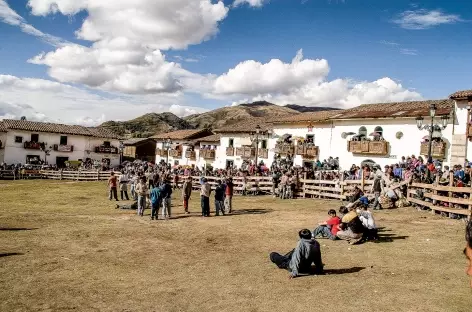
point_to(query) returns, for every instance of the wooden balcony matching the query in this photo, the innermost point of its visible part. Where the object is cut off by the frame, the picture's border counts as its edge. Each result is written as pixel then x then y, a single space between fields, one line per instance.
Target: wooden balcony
pixel 175 153
pixel 63 148
pixel 368 147
pixel 284 148
pixel 230 151
pixel 106 149
pixel 307 150
pixel 33 145
pixel 246 152
pixel 207 154
pixel 263 153
pixel 191 155
pixel 161 152
pixel 438 149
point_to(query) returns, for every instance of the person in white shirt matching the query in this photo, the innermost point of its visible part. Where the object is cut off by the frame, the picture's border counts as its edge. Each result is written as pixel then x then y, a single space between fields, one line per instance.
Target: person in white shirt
pixel 124 185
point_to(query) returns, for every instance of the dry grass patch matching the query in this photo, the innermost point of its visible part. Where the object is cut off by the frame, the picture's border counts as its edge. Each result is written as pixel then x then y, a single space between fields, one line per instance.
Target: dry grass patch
pixel 64 247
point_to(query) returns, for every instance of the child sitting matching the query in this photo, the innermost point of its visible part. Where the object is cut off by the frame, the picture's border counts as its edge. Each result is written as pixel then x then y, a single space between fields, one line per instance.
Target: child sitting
pixel 328 229
pixel 368 222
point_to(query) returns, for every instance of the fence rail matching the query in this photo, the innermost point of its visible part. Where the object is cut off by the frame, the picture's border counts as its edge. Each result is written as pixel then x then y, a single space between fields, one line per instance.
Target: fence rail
pixel 447 200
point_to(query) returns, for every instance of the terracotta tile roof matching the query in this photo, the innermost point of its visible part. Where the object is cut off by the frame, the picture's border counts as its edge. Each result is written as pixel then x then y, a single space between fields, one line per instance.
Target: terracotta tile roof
pixel 2 127
pixel 133 141
pixel 247 126
pixel 395 110
pixel 183 134
pixel 461 94
pixel 35 126
pixel 308 117
pixel 210 138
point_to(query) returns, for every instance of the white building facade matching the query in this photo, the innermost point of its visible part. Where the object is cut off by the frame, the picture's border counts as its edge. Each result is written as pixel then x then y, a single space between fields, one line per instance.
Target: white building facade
pixel 28 142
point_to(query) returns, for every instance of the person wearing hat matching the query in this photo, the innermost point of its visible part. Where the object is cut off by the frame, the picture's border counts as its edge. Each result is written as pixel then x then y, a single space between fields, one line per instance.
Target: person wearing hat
pixel 187 192
pixel 299 260
pixel 219 198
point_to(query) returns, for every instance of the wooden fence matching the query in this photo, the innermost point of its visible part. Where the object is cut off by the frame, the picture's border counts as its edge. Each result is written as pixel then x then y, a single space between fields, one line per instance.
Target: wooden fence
pixel 447 200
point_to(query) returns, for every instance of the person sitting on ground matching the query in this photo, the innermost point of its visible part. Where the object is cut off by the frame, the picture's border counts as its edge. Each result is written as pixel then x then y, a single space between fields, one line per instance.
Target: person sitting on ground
pixel 299 260
pixel 351 228
pixel 367 219
pixel 329 228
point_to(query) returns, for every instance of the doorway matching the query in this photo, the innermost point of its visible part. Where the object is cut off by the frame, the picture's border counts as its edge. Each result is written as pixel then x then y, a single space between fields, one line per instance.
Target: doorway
pixel 229 164
pixel 61 162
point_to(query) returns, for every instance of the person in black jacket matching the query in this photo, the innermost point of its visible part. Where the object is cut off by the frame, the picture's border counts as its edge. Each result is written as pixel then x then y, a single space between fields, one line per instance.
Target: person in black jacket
pixel 219 198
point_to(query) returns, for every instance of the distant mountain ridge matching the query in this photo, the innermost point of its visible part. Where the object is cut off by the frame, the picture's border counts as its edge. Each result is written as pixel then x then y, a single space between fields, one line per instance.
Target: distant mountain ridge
pixel 152 123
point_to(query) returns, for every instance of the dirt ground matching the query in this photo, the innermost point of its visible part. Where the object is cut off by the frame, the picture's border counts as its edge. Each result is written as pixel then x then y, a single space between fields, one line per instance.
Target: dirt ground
pixel 63 247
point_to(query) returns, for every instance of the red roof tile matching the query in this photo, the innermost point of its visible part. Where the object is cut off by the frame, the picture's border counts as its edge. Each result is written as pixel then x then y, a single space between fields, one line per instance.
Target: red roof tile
pixel 461 94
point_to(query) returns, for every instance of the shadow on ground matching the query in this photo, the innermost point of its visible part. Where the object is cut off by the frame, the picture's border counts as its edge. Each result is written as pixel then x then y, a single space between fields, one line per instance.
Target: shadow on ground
pixel 17 229
pixel 250 211
pixel 343 271
pixel 8 254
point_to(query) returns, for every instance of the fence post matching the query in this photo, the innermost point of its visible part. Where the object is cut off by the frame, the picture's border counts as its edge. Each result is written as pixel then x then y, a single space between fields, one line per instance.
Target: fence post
pixel 362 181
pixel 60 175
pixel 304 181
pixel 341 185
pixel 98 174
pixel 78 175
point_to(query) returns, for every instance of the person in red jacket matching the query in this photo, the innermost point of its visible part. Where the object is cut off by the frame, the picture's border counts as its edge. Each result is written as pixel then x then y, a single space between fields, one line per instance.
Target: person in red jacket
pixel 330 228
pixel 229 195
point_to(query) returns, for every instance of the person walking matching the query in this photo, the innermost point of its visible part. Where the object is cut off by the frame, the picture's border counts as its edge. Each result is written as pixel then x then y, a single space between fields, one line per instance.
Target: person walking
pixel 142 191
pixel 205 197
pixel 187 192
pixel 219 198
pixel 166 193
pixel 229 195
pixel 112 181
pixel 124 185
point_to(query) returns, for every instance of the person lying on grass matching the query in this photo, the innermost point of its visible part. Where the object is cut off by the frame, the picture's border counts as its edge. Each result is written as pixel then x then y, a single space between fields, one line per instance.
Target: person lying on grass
pixel 329 228
pixel 299 260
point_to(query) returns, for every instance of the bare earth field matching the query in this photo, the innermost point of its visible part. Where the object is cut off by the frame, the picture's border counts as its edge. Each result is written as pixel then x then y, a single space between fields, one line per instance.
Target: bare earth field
pixel 63 247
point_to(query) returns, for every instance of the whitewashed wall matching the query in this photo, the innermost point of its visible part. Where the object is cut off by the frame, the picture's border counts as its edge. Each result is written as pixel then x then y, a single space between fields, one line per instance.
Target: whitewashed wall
pixel 408 145
pixel 3 138
pixel 323 137
pixel 16 153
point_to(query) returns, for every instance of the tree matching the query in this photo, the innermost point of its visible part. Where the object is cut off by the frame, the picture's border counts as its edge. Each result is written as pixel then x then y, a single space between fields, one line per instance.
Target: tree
pixel 23 118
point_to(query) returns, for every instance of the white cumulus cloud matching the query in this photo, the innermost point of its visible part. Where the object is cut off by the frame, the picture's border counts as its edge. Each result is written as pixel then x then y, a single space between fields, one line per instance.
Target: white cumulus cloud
pixel 424 19
pixel 303 82
pixel 40 99
pixel 252 3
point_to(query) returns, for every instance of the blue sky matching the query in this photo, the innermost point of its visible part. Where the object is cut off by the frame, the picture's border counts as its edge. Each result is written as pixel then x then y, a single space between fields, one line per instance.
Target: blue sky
pixel 422 47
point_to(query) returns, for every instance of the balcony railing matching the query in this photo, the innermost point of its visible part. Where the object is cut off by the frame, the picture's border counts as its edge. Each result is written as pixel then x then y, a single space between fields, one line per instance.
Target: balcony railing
pixel 33 145
pixel 263 153
pixel 191 155
pixel 207 154
pixel 284 148
pixel 368 147
pixel 63 148
pixel 438 149
pixel 161 152
pixel 246 152
pixel 175 153
pixel 230 151
pixel 106 149
pixel 307 150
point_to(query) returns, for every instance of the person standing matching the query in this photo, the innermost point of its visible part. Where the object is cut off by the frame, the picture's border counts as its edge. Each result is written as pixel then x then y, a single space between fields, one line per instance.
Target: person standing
pixel 229 195
pixel 124 185
pixel 219 198
pixel 166 193
pixel 187 192
pixel 155 198
pixel 134 182
pixel 205 197
pixel 142 191
pixel 112 181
